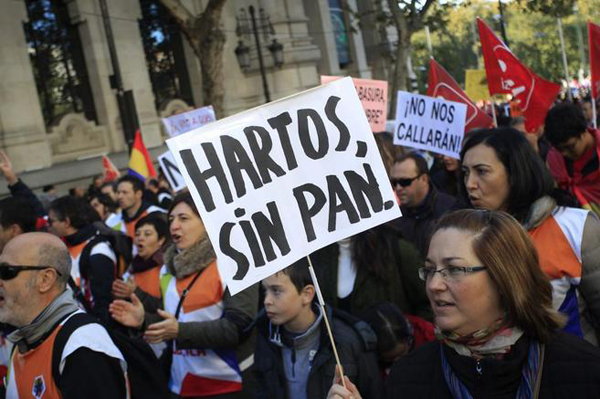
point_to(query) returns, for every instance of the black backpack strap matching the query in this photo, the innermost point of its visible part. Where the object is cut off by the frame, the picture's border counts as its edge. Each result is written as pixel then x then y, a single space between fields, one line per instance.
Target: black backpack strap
pixel 84 257
pixel 185 293
pixel 73 323
pixel 79 296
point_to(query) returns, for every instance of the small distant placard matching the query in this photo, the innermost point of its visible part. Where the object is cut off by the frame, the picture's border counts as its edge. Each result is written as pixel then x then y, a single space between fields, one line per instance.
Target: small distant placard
pixel 373 97
pixel 431 124
pixel 182 123
pixel 176 125
pixel 276 183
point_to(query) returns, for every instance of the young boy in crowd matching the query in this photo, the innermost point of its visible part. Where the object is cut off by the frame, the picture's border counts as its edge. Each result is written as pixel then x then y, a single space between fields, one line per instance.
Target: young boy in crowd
pixel 294 358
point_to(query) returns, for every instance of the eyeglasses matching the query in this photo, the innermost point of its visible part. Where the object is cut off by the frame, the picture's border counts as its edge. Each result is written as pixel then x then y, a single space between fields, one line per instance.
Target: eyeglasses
pixel 404 182
pixel 450 273
pixel 8 272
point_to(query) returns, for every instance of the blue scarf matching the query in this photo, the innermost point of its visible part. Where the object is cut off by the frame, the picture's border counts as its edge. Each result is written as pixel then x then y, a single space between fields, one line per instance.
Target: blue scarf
pixel 528 382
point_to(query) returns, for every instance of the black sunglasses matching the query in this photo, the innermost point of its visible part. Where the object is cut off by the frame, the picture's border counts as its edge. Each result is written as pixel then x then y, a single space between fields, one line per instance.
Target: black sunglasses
pixel 403 182
pixel 8 272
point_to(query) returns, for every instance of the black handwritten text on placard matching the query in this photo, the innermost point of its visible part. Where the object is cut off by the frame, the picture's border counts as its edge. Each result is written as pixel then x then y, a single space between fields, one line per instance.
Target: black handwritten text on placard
pixel 264 230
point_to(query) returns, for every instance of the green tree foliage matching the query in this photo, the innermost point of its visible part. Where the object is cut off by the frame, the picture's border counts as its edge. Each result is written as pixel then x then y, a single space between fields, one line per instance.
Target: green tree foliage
pixel 533 37
pixel 553 8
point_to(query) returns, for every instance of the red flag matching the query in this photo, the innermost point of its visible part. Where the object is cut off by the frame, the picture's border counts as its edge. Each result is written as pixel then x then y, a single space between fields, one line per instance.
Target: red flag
pixel 594 38
pixel 109 170
pixel 507 75
pixel 441 84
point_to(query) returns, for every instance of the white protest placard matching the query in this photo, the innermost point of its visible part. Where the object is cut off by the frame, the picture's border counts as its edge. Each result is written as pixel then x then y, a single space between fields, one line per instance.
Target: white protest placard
pixel 181 123
pixel 429 123
pixel 276 183
pixel 171 169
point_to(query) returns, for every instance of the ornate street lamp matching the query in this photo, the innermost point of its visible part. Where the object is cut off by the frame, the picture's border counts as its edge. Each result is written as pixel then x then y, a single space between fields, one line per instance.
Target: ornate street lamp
pixel 276 50
pixel 242 53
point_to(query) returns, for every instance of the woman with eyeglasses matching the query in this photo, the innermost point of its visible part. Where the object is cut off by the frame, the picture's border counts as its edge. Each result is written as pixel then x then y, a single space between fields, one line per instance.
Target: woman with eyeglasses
pixel 502 172
pixel 202 324
pixel 498 334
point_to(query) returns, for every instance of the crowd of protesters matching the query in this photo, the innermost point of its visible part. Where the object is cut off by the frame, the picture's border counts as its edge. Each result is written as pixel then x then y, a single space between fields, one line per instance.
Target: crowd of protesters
pixel 487 286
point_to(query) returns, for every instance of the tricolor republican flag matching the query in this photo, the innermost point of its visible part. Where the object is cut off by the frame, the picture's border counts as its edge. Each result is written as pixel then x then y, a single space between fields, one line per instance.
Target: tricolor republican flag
pixel 140 163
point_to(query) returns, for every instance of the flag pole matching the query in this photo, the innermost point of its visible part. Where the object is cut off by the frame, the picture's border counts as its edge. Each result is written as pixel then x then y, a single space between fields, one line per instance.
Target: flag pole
pixel 593 84
pixel 494 112
pixel 313 276
pixel 594 111
pixel 428 36
pixel 564 58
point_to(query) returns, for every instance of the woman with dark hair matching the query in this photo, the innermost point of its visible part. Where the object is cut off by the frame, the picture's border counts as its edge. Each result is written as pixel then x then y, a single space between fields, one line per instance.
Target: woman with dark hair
pixel 499 336
pixel 502 172
pixel 143 276
pixel 447 179
pixel 202 324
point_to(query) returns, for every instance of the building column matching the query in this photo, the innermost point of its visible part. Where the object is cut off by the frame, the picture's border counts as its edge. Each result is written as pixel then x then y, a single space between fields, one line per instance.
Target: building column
pixel 322 27
pixel 359 67
pixel 22 128
pixel 320 23
pixel 124 16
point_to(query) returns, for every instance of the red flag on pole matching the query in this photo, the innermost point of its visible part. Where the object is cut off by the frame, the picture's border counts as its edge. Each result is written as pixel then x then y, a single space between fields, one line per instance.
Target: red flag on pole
pixel 441 84
pixel 109 170
pixel 507 75
pixel 594 38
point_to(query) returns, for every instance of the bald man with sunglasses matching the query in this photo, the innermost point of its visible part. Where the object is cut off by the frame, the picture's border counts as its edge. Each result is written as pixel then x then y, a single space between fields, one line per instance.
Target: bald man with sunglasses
pixel 34 269
pixel 421 203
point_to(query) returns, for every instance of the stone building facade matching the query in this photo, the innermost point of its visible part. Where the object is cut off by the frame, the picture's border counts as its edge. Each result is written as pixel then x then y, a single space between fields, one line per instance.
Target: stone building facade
pixel 65 150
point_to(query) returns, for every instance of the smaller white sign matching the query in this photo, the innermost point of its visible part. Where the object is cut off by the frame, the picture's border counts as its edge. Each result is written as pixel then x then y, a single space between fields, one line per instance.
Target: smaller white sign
pixel 169 166
pixel 431 124
pixel 182 123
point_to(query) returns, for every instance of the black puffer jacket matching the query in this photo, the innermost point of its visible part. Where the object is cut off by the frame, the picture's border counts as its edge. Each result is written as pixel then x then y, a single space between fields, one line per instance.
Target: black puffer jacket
pixel 355 343
pixel 571 370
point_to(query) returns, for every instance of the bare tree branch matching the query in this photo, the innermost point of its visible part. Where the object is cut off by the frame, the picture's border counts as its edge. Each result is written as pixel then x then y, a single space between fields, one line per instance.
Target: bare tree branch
pixel 208 41
pixel 178 10
pixel 425 8
pixel 214 6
